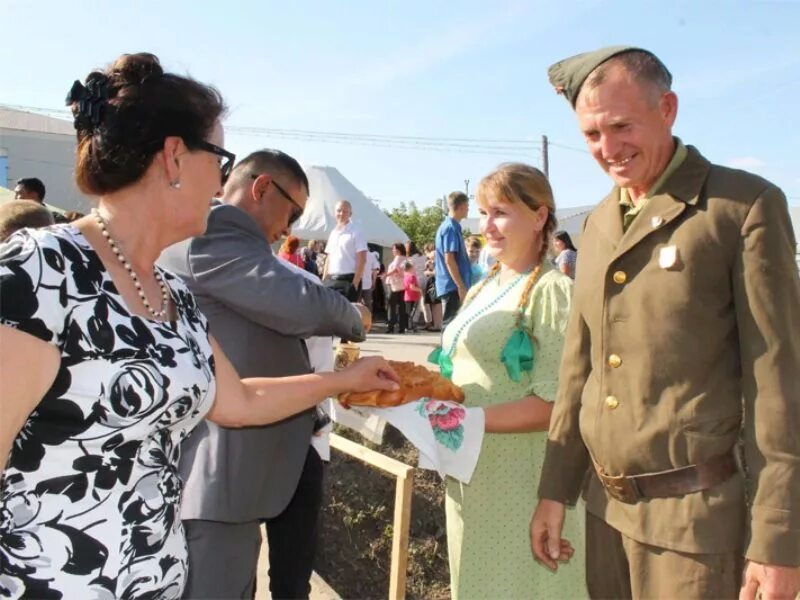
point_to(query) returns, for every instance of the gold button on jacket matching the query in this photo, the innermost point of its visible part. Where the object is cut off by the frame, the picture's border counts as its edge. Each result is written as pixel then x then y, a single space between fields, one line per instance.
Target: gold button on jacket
pixel 612 402
pixel 615 361
pixel 699 336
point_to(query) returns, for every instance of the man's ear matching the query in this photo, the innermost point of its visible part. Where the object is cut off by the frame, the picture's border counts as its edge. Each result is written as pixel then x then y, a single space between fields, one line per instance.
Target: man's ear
pixel 259 186
pixel 669 107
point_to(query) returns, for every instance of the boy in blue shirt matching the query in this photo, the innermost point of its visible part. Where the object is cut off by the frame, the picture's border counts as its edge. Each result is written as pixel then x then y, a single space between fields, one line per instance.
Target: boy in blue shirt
pixel 452 266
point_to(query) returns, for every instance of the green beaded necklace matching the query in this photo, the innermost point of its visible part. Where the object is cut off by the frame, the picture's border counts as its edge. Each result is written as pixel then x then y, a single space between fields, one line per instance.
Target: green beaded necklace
pixel 517 354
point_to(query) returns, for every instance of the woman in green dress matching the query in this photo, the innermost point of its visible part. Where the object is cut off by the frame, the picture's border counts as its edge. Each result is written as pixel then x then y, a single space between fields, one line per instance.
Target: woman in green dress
pixel 503 349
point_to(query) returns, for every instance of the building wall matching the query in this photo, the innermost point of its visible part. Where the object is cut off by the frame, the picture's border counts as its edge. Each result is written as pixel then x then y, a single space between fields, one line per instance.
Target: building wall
pixel 48 156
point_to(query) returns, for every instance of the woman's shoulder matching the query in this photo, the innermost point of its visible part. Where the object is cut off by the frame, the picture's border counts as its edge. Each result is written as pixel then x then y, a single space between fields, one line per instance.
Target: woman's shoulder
pixel 34 267
pixel 53 245
pixel 552 284
pixel 52 236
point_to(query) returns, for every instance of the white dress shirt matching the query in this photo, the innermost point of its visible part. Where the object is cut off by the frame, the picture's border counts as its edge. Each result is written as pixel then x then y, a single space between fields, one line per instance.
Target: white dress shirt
pixel 343 246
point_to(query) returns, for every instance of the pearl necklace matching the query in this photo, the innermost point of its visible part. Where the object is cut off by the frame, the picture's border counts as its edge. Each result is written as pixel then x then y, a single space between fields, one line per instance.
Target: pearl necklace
pixel 157 314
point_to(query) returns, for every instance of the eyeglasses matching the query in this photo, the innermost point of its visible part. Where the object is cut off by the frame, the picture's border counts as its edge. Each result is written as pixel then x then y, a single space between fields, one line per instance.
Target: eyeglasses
pixel 298 210
pixel 226 158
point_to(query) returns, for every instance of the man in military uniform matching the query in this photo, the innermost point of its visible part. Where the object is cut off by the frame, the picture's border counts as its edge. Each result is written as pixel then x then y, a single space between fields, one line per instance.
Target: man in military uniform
pixel 684 333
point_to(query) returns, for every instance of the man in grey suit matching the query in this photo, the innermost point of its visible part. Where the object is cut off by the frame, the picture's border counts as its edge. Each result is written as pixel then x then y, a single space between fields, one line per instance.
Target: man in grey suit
pixel 260 312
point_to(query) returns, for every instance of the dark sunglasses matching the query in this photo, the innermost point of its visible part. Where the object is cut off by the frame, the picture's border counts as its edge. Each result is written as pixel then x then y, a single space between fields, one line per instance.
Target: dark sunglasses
pixel 227 158
pixel 298 210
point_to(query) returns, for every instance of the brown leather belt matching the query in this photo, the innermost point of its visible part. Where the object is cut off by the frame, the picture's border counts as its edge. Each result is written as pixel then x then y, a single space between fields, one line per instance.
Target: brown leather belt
pixel 675 482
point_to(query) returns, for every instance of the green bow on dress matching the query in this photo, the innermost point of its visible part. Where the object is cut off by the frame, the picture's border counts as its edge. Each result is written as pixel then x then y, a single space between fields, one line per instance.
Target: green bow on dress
pixel 517 354
pixel 441 358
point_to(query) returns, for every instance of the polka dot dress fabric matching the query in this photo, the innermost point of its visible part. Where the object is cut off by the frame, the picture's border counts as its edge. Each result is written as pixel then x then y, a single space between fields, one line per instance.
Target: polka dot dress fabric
pixel 488 519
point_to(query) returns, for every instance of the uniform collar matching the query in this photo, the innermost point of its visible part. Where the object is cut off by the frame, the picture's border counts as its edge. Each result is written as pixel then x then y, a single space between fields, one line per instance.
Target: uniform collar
pixel 681 188
pixel 678 156
pixel 686 182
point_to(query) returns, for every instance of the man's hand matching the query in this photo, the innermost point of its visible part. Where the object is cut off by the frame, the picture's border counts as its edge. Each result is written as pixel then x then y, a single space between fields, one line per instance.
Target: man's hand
pixel 366 316
pixel 546 543
pixel 774 582
pixel 462 292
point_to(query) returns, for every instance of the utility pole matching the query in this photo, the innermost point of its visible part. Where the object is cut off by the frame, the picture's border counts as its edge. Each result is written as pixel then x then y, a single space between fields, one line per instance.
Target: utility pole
pixel 545 158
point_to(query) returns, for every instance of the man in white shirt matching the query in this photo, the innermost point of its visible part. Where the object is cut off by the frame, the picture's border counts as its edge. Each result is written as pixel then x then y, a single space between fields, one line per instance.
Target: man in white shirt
pixel 368 280
pixel 347 255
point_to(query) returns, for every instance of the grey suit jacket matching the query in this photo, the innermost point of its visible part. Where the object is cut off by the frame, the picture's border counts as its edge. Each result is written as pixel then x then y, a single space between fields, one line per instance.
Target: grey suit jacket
pixel 259 311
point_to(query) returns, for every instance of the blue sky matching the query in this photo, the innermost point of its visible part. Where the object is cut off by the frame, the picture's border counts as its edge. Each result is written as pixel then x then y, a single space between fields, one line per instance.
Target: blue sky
pixel 433 69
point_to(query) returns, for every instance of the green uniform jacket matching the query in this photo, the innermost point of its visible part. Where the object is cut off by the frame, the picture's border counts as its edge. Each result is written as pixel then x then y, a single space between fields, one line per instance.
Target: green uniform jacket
pixel 685 331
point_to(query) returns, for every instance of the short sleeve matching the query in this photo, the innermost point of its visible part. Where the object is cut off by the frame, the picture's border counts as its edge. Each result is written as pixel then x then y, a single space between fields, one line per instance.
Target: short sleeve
pixel 33 290
pixel 451 241
pixel 360 240
pixel 548 314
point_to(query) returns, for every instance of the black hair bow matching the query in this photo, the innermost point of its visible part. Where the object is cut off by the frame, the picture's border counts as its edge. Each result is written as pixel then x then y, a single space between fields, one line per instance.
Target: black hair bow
pixel 91 100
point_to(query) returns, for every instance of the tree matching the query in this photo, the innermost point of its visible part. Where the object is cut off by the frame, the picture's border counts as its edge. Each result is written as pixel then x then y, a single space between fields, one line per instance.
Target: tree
pixel 419 225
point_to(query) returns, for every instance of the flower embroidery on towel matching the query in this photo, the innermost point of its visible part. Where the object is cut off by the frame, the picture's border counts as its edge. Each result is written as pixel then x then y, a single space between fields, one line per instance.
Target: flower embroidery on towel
pixel 445 419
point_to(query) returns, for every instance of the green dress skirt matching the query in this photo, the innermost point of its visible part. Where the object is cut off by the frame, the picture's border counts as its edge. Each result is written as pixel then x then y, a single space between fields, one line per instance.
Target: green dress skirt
pixel 488 519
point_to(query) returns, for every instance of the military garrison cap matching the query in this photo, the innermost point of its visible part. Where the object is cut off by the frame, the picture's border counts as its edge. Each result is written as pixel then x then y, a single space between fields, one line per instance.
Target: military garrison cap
pixel 568 75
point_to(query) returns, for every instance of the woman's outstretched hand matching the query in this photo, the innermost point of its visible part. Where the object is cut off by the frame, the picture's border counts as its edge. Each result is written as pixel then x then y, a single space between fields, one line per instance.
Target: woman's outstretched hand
pixel 368 374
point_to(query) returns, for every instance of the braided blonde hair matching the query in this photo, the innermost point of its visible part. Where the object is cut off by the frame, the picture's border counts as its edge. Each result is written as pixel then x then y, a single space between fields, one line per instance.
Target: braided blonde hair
pixel 513 183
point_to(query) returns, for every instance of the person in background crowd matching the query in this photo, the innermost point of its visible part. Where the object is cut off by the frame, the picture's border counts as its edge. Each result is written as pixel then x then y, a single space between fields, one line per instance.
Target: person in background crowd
pixel 347 254
pixel 474 247
pixel 309 255
pixel 452 263
pixel 18 214
pixel 418 260
pixel 394 281
pixel 566 253
pixel 503 349
pixel 380 294
pixel 118 360
pixel 486 260
pixel 32 188
pixel 682 349
pixel 322 256
pixel 411 292
pixel 261 312
pixel 368 281
pixel 289 253
pixel 431 303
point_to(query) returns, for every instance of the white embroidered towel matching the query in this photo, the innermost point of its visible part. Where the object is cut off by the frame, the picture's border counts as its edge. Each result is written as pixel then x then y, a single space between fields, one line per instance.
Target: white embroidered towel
pixel 448 435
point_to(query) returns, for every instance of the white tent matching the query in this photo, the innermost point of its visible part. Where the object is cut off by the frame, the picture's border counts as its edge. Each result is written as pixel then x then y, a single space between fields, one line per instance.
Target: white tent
pixel 328 186
pixel 571 220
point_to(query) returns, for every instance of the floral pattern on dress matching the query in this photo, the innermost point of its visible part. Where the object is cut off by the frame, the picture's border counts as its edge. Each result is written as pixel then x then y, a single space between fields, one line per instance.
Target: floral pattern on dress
pixel 90 497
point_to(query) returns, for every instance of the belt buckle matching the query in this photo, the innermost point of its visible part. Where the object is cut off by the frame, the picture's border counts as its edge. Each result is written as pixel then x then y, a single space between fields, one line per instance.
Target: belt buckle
pixel 620 487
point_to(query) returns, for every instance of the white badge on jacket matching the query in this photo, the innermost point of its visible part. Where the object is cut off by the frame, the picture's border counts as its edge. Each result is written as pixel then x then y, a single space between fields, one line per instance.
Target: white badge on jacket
pixel 668 257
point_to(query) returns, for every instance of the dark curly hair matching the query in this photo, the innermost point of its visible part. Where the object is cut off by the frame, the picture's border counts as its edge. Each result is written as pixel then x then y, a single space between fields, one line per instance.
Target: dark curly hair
pixel 127 112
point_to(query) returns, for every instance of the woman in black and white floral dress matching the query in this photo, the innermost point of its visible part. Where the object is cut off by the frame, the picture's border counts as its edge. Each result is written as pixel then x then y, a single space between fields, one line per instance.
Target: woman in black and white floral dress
pixel 106 363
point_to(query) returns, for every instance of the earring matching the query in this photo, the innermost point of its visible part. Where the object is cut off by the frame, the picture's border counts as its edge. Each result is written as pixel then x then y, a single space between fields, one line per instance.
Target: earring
pixel 175 185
